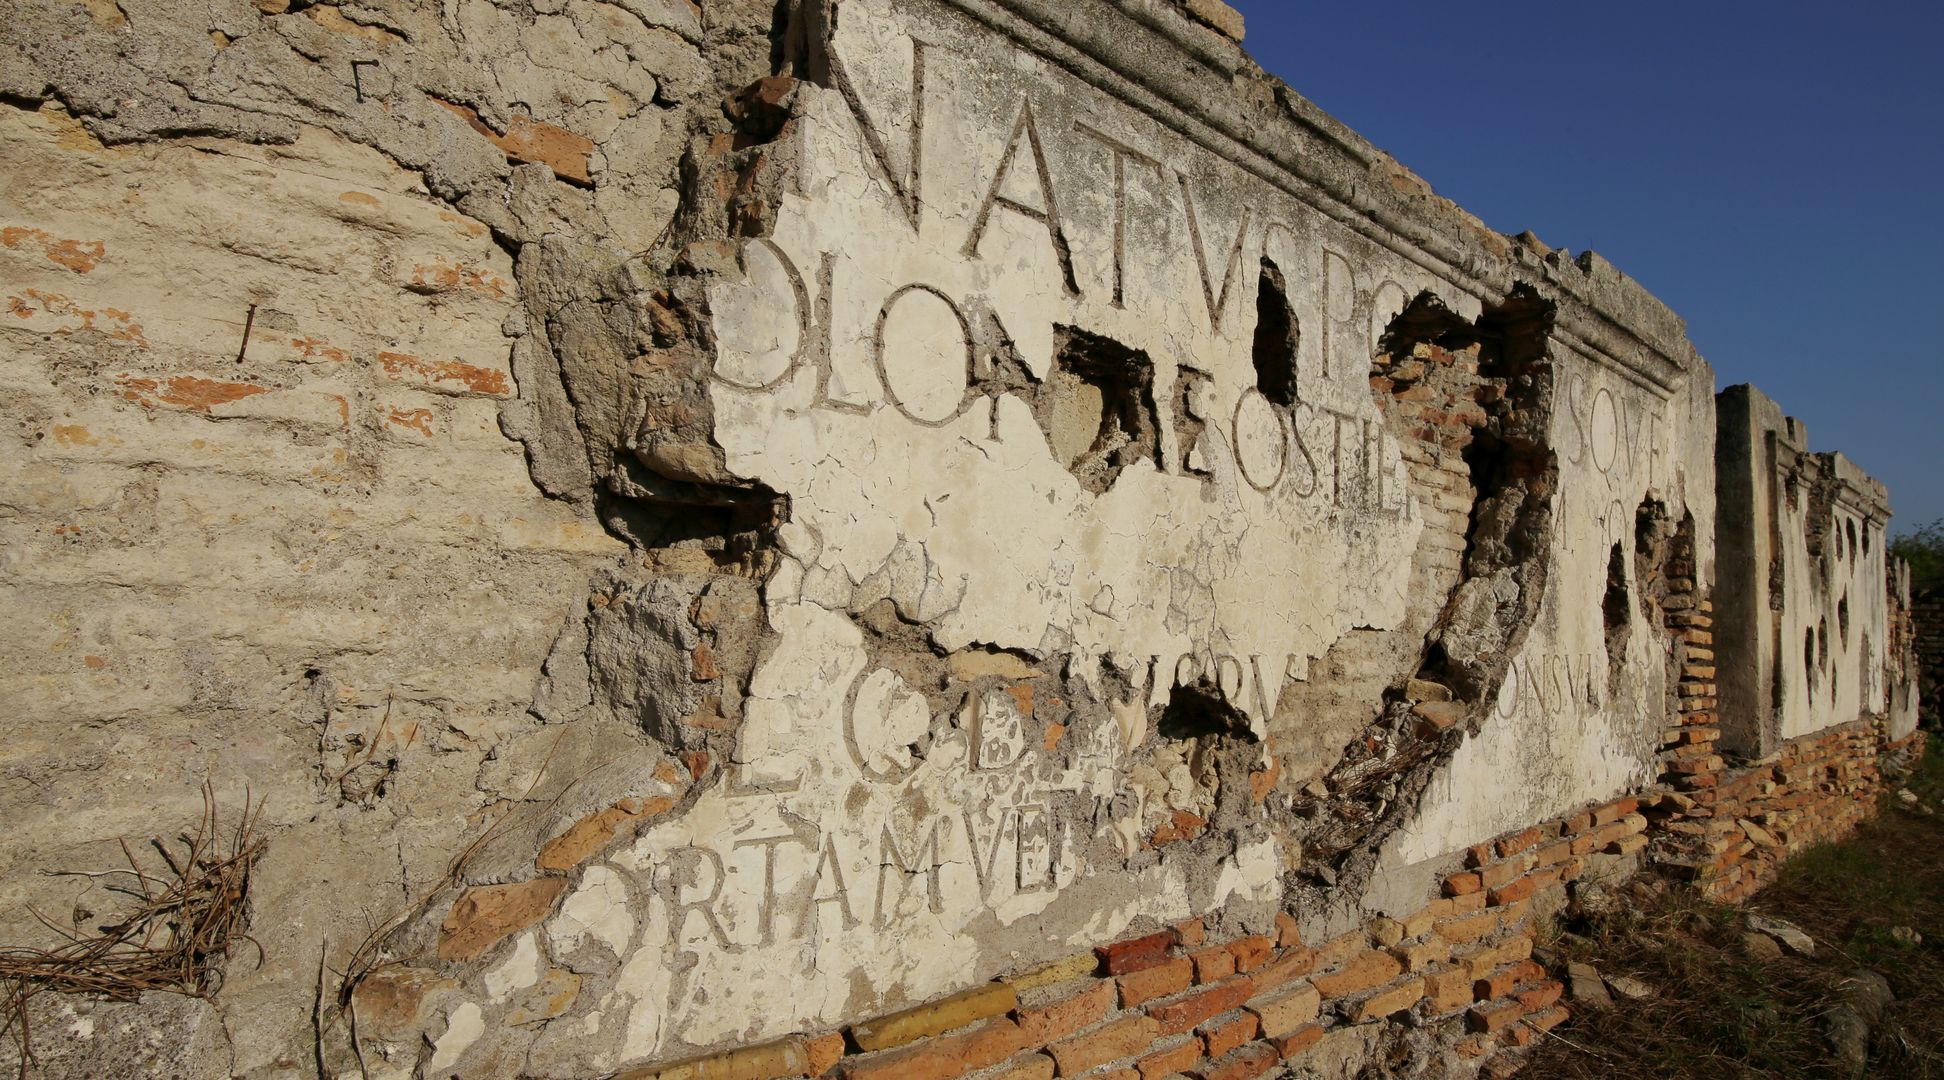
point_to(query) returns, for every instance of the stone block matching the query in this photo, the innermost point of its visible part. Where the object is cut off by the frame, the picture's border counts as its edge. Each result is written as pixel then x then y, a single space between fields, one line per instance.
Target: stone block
pixel 1387 1002
pixel 1175 1059
pixel 1218 15
pixel 1251 952
pixel 771 1061
pixel 1449 989
pixel 1294 1043
pixel 1213 964
pixel 1036 1066
pixel 1224 1033
pixel 1467 928
pixel 982 1046
pixel 1493 1016
pixel 1135 954
pixel 1244 1064
pixel 1043 1024
pixel 1293 964
pixel 1361 973
pixel 1423 956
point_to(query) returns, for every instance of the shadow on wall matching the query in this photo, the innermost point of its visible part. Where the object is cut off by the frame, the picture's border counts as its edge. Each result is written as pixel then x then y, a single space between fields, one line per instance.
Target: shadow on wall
pixel 1927 611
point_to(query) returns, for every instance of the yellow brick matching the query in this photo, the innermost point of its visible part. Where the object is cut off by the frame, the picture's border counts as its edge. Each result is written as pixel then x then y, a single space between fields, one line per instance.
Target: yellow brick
pixel 788 1057
pixel 1059 971
pixel 936 1018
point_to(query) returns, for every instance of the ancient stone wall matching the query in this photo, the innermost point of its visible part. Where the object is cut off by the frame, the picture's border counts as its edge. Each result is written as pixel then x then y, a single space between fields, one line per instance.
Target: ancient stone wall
pixel 1806 596
pixel 901 537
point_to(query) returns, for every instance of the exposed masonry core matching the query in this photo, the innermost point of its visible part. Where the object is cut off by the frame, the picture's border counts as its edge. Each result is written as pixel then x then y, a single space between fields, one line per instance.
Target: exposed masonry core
pixel 1097 409
pixel 1638 587
pixel 1664 558
pixel 1488 382
pixel 1618 604
pixel 710 527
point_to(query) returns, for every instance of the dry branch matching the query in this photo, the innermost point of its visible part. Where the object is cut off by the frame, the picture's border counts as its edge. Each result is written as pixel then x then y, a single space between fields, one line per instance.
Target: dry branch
pixel 176 938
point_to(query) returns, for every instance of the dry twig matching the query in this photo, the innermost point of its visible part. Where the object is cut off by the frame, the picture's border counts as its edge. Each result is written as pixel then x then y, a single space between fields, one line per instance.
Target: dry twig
pixel 176 938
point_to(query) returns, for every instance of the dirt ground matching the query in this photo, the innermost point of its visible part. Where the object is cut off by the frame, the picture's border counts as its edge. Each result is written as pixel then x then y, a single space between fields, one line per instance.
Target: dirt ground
pixel 1724 1007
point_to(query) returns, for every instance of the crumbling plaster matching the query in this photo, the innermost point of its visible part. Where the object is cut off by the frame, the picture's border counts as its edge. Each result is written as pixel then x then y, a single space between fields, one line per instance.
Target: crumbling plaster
pixel 704 522
pixel 1811 606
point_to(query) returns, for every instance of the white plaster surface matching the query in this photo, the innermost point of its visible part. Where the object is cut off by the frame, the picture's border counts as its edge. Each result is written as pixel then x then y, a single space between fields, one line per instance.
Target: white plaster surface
pixel 463 1028
pixel 518 971
pixel 861 843
pixel 875 851
pixel 1566 730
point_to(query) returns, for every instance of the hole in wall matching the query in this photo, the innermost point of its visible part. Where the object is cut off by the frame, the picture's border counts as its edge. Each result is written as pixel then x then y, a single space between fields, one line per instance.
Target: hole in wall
pixel 1220 751
pixel 734 527
pixel 1616 610
pixel 1097 408
pixel 1191 421
pixel 1842 618
pixel 1851 527
pixel 1199 711
pixel 1617 606
pixel 1426 319
pixel 1809 657
pixel 1278 336
pixel 1822 641
pixel 1381 777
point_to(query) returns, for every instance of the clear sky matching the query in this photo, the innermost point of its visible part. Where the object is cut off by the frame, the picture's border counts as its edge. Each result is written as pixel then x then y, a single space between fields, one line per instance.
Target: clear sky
pixel 1773 171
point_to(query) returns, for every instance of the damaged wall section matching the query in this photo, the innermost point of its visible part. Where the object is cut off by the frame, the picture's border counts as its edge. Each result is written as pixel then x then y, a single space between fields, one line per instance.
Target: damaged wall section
pixel 711 524
pixel 1806 606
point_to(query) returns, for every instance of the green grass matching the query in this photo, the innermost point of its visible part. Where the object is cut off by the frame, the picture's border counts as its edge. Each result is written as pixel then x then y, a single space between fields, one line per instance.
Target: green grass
pixel 1857 876
pixel 1927 779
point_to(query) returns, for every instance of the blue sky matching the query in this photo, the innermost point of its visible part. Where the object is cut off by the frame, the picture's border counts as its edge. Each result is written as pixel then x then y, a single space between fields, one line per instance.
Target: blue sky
pixel 1773 171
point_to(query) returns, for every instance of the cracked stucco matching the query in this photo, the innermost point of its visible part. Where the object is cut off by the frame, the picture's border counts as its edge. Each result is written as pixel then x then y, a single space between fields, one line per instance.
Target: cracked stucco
pixel 803 485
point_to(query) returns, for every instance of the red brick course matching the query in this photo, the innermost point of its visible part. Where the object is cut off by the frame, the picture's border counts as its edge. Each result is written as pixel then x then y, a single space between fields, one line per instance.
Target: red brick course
pixel 1185 1012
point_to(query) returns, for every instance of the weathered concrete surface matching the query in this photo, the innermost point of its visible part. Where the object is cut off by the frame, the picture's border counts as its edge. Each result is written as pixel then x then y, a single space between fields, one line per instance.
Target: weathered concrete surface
pixel 268 516
pixel 705 523
pixel 308 568
pixel 163 1036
